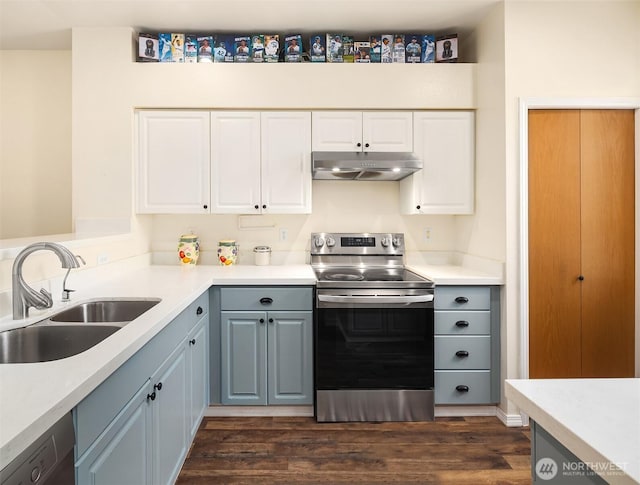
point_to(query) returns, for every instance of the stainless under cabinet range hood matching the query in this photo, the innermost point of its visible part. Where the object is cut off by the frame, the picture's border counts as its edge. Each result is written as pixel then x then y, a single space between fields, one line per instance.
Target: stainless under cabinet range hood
pixel 364 165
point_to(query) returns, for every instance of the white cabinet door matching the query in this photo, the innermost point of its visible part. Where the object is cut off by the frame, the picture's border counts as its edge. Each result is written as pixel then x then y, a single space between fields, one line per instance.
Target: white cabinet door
pixel 445 140
pixel 286 162
pixel 337 131
pixel 387 131
pixel 235 162
pixel 172 162
pixel 369 131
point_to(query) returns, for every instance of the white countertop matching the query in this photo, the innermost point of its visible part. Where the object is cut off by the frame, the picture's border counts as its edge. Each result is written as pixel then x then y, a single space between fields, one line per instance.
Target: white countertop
pixel 447 274
pixel 598 420
pixel 34 396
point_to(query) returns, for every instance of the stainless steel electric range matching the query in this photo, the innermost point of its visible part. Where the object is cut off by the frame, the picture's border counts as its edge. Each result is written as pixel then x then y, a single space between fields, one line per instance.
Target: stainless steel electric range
pixel 373 329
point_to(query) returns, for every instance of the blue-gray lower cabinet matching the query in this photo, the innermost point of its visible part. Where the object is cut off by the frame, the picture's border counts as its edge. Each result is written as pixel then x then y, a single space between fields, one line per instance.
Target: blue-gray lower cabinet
pixel 467 344
pixel 136 427
pixel 266 356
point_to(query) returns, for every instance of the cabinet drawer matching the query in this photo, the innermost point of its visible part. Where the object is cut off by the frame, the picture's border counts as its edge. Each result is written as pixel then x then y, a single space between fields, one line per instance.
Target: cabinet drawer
pixel 449 352
pixel 463 323
pixel 197 310
pixel 462 298
pixel 463 387
pixel 266 298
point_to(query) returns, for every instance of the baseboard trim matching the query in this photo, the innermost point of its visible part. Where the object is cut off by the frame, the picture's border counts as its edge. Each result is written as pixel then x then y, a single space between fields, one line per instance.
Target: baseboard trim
pixel 510 420
pixel 461 411
pixel 257 411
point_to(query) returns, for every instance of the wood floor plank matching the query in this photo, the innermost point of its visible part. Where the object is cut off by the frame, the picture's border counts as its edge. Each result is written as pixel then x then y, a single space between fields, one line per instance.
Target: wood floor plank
pixel 476 450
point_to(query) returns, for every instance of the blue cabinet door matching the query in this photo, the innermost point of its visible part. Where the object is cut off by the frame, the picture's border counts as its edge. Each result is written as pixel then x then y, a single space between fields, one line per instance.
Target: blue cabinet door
pixel 243 358
pixel 198 373
pixel 122 453
pixel 290 354
pixel 169 417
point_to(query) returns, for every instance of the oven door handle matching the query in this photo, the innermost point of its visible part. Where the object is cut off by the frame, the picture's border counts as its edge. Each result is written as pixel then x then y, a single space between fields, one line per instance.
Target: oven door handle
pixel 375 299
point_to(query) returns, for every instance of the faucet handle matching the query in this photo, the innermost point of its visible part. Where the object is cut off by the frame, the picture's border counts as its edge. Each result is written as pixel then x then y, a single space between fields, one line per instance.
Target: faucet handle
pixel 44 301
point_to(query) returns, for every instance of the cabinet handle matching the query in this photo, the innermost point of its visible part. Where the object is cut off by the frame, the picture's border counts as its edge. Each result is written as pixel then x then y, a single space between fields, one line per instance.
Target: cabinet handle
pixel 256 206
pixel 271 320
pixel 192 341
pixel 205 206
pixel 261 320
pixel 264 206
pixel 581 277
pixel 462 323
pixel 157 386
pixel 151 396
pixel 199 311
pixel 358 144
pixel 366 145
pixel 462 388
pixel 266 300
pixel 418 207
pixel 462 353
pixel 462 299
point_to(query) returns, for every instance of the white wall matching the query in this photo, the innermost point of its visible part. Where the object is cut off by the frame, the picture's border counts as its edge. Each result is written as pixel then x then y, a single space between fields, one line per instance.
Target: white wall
pixel 35 143
pixel 558 49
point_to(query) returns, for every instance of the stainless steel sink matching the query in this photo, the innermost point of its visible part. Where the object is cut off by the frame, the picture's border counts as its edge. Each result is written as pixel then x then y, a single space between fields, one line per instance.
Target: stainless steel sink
pixel 42 343
pixel 71 331
pixel 106 310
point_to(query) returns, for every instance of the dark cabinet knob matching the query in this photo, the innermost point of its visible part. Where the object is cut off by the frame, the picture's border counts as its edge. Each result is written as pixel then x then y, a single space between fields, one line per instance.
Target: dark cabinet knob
pixel 462 388
pixel 462 299
pixel 151 396
pixel 192 341
pixel 264 206
pixel 157 387
pixel 462 353
pixel 266 300
pixel 256 206
pixel 366 145
pixel 462 323
pixel 205 206
pixel 358 144
pixel 271 320
pixel 199 311
pixel 261 320
pixel 418 207
pixel 581 278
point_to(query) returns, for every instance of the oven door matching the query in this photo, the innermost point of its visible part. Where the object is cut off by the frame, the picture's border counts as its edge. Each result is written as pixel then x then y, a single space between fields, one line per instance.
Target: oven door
pixel 374 339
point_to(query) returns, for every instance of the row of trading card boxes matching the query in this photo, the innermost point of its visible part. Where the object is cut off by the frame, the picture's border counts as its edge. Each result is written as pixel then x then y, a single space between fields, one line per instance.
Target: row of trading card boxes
pixel 386 48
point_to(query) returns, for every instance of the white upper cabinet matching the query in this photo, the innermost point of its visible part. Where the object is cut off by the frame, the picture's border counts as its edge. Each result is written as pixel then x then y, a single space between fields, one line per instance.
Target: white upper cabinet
pixel 172 162
pixel 286 162
pixel 445 141
pixel 235 162
pixel 261 162
pixel 353 131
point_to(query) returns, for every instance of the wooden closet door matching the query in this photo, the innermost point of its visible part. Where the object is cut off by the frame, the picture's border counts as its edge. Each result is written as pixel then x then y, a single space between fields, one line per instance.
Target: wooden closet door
pixel 554 244
pixel 608 238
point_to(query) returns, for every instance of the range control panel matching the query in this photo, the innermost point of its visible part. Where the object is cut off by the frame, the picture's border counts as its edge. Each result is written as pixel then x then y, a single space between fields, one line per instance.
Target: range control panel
pixel 341 243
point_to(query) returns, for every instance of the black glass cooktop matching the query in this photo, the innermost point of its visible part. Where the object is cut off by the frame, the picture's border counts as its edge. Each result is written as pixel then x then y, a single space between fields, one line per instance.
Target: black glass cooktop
pixel 358 276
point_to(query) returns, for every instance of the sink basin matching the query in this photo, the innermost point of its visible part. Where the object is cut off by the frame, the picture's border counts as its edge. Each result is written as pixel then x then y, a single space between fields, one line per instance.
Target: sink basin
pixel 106 311
pixel 43 343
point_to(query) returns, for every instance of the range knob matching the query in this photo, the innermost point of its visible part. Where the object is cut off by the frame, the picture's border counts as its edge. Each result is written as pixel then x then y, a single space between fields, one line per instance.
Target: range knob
pixel 397 241
pixel 385 242
pixel 330 242
pixel 319 242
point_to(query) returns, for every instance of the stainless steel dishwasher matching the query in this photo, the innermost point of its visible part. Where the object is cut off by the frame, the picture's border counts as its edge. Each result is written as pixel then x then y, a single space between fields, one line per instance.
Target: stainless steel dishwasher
pixel 49 459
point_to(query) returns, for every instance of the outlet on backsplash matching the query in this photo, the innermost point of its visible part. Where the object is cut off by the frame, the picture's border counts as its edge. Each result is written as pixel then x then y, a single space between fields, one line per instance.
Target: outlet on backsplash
pixel 427 234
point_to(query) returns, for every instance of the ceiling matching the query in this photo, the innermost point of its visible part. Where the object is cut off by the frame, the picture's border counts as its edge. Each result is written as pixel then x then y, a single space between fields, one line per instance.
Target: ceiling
pixel 46 24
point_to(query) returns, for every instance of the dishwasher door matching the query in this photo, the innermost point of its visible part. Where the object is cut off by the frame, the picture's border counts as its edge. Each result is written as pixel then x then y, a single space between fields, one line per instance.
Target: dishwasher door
pixel 48 460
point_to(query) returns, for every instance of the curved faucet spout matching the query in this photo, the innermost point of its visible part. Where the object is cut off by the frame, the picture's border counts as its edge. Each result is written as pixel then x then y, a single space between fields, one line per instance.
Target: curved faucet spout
pixel 23 295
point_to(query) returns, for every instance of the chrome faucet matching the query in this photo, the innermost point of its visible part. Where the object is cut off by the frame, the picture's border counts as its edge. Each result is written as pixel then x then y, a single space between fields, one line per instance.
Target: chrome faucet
pixel 25 297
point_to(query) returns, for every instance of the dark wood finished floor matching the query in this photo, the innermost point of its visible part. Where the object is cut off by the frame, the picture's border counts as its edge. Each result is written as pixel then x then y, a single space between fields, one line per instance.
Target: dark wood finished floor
pixel 475 450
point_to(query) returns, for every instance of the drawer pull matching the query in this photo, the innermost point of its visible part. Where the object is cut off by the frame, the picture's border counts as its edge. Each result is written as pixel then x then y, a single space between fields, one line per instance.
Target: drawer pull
pixel 199 311
pixel 462 388
pixel 462 353
pixel 462 323
pixel 261 320
pixel 157 386
pixel 266 300
pixel 462 299
pixel 151 396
